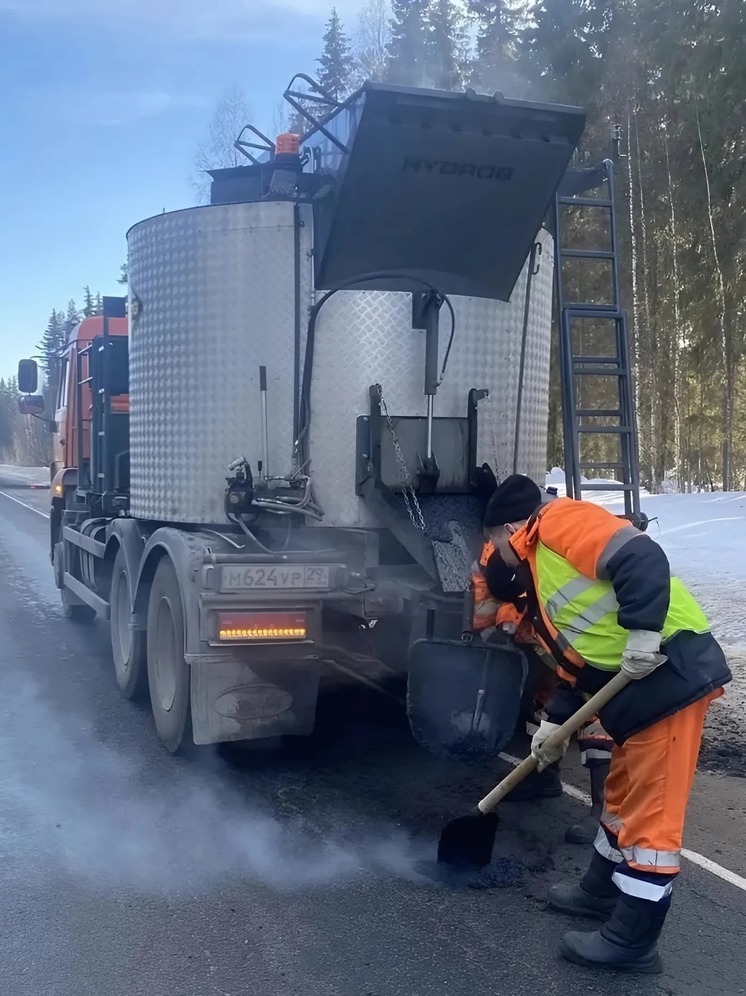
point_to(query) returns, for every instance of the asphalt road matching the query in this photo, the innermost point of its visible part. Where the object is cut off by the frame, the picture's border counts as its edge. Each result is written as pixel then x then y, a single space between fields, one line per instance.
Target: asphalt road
pixel 125 871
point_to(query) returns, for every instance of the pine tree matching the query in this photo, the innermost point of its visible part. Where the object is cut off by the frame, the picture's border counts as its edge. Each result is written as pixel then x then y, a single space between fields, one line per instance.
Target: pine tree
pixel 52 342
pixel 89 303
pixel 336 62
pixel 98 305
pixel 495 64
pixel 408 46
pixel 442 34
pixel 372 40
pixel 72 318
pixel 123 277
pixel 7 421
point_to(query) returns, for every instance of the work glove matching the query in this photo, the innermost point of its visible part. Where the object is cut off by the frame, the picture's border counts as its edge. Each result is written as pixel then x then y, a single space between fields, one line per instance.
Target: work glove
pixel 545 756
pixel 642 654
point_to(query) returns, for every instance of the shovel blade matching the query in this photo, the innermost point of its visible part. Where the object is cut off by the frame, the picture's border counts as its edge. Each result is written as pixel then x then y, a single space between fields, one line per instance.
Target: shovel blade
pixel 464 700
pixel 466 843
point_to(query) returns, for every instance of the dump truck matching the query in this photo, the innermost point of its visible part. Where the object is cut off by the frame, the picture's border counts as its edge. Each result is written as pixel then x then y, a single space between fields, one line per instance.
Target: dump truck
pixel 276 450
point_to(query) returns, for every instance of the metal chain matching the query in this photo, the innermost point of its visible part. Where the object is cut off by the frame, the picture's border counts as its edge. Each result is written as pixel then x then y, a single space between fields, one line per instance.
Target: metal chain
pixel 410 496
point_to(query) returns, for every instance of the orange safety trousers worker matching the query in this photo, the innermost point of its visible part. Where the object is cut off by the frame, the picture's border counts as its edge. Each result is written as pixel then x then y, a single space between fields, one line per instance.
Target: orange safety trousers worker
pixel 645 800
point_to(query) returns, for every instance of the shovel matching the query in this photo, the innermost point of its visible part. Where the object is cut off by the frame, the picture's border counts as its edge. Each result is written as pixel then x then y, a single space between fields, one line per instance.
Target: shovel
pixel 466 843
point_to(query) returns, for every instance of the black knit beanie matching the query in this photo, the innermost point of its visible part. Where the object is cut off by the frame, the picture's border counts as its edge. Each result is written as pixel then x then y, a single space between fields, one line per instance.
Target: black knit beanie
pixel 515 499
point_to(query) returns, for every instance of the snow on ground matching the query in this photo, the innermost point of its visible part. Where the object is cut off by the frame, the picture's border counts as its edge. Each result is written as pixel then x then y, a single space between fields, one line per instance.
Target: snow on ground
pixel 704 536
pixel 12 476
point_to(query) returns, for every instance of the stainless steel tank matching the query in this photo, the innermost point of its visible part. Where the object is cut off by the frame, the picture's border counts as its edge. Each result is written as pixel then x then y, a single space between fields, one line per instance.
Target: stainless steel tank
pixel 366 338
pixel 213 298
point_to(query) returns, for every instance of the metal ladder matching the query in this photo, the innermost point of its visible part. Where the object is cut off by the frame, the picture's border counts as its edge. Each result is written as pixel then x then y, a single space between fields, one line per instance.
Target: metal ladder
pixel 581 420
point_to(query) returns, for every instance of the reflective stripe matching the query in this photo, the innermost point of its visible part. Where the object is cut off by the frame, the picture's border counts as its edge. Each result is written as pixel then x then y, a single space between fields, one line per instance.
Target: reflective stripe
pixel 645 858
pixel 641 889
pixel 567 594
pixel 612 822
pixel 615 544
pixel 594 755
pixel 604 848
pixel 591 615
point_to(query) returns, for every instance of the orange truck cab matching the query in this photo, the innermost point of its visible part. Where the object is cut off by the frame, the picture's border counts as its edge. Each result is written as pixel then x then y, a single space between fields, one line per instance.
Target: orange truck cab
pixel 71 442
pixel 90 431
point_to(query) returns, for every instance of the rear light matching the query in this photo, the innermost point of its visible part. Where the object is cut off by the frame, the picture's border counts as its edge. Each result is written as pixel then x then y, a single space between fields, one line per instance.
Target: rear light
pixel 240 627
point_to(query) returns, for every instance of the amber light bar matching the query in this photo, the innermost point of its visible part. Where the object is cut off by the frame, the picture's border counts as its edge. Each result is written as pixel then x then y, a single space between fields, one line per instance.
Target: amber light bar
pixel 243 626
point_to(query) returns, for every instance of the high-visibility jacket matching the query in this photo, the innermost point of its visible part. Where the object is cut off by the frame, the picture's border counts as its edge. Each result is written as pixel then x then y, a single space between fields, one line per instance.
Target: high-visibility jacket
pixel 490 610
pixel 592 580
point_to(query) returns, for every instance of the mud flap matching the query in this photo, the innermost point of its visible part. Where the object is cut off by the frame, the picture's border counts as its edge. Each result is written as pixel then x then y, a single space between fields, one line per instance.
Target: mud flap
pixel 231 700
pixel 464 699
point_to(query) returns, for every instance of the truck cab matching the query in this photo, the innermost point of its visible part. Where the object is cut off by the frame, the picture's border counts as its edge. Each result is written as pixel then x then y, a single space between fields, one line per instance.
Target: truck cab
pixel 71 438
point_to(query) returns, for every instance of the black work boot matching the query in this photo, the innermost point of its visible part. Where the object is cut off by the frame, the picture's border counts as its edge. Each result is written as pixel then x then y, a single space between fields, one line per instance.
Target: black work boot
pixel 585 830
pixel 544 784
pixel 594 896
pixel 627 943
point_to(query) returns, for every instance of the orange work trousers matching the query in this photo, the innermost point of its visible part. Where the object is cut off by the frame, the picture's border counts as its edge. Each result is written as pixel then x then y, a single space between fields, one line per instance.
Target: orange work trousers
pixel 645 800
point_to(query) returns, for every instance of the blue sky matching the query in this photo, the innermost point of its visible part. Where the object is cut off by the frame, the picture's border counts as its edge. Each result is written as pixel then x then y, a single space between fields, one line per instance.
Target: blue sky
pixel 102 103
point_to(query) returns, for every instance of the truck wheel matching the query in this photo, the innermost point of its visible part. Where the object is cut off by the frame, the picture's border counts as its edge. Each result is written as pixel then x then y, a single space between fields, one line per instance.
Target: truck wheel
pixel 71 609
pixel 168 672
pixel 127 645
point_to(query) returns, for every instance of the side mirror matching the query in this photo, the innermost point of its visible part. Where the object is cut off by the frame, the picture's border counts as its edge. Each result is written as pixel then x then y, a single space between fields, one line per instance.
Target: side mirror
pixel 28 376
pixel 31 404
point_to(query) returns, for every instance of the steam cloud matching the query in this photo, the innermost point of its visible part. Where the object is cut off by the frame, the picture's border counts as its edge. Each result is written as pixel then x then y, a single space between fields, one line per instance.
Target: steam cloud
pixel 79 804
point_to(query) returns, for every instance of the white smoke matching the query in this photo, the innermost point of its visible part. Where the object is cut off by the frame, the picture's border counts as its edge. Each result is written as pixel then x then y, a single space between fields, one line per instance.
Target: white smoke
pixel 81 805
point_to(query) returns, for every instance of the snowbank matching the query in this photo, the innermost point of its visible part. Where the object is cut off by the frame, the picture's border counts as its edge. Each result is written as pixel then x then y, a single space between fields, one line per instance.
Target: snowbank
pixel 13 476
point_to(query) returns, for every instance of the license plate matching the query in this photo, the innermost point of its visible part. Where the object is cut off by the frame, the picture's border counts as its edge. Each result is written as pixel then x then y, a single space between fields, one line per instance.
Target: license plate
pixel 267 577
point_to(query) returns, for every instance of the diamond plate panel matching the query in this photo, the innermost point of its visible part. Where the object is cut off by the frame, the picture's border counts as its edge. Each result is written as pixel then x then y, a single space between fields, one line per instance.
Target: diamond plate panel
pixel 216 291
pixel 363 338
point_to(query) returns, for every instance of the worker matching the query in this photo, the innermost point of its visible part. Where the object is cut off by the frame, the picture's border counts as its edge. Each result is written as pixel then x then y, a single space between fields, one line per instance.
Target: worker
pixel 500 612
pixel 601 598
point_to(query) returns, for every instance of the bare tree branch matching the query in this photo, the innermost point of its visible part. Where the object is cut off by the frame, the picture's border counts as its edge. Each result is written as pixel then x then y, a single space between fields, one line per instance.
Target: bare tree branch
pixel 217 149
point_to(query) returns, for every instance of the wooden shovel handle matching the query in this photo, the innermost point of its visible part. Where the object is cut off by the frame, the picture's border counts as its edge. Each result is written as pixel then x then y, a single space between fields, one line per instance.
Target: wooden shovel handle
pixel 584 713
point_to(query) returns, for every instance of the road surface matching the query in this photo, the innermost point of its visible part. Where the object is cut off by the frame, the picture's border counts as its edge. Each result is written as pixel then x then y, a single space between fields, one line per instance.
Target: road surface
pixel 125 871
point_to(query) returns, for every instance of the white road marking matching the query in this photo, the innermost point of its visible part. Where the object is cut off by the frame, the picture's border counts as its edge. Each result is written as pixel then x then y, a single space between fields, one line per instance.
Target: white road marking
pixel 696 859
pixel 575 793
pixel 23 504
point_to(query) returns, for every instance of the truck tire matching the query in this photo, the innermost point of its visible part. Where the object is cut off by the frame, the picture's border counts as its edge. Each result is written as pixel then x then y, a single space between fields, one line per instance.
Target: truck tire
pixel 72 609
pixel 128 646
pixel 168 672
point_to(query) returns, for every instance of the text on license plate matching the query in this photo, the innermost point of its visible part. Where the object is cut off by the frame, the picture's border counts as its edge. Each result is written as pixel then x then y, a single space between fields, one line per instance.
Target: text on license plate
pixel 267 576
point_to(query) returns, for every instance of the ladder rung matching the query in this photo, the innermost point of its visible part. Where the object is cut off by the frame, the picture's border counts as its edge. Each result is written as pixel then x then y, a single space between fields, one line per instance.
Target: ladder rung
pixel 586 201
pixel 593 311
pixel 588 253
pixel 598 412
pixel 600 372
pixel 596 359
pixel 611 430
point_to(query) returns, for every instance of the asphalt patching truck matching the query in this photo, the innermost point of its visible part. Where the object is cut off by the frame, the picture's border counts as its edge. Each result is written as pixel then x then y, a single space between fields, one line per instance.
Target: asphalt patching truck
pixel 275 452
